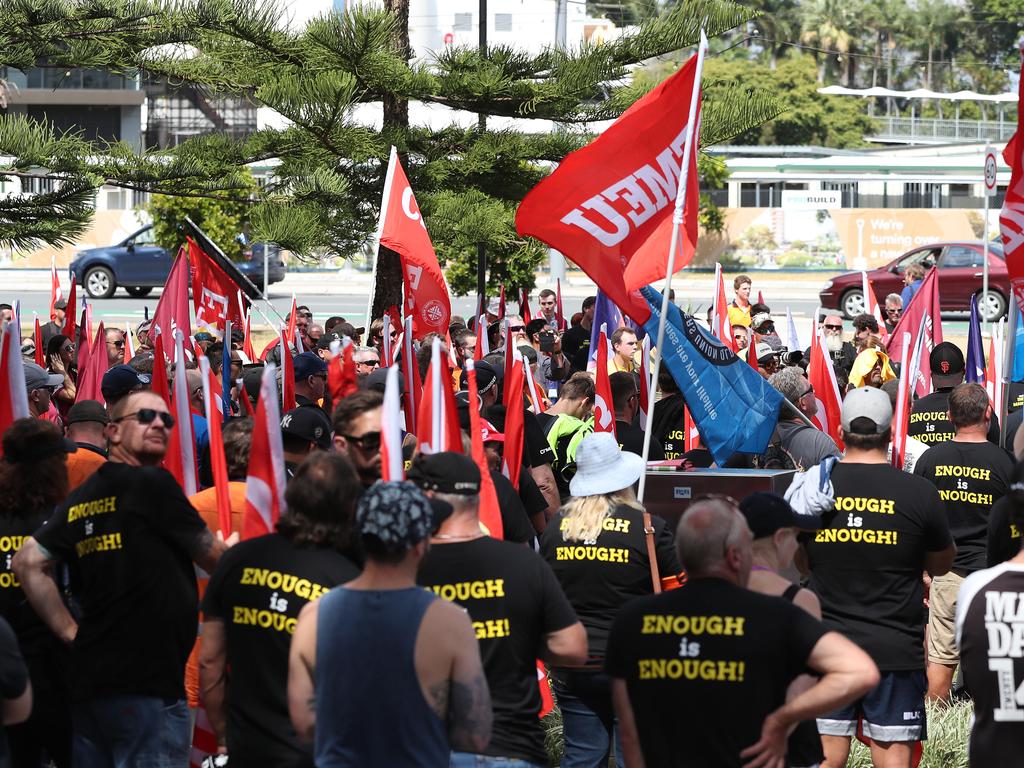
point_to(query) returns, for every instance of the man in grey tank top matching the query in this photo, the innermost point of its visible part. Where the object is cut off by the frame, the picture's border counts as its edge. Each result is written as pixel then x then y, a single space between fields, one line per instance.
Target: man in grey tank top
pixel 382 672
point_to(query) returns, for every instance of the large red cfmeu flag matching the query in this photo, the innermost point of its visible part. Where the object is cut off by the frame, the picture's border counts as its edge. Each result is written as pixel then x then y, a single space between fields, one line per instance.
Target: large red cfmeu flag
pixel 172 309
pixel 402 229
pixel 606 201
pixel 1011 217
pixel 822 376
pixel 264 486
pixel 921 313
pixel 215 296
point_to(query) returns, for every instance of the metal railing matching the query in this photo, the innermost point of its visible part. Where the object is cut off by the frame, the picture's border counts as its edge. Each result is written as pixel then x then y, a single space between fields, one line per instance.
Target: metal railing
pixel 930 130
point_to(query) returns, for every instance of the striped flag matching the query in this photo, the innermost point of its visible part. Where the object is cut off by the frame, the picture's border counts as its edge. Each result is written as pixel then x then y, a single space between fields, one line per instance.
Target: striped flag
pixel 182 438
pixel 264 486
pixel 604 412
pixel 55 292
pixel 218 461
pixel 13 395
pixel 438 421
pixel 391 464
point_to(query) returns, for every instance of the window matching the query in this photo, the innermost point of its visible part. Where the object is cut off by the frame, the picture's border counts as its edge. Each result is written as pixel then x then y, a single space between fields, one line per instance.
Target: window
pixel 463 22
pixel 926 257
pixel 503 22
pixel 145 237
pixel 961 256
pixel 117 198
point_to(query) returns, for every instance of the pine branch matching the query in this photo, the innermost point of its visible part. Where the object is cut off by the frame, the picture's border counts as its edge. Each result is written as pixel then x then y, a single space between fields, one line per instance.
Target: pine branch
pixel 47 218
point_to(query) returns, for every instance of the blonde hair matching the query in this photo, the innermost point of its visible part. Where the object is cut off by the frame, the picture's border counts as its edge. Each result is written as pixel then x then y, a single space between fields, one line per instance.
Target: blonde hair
pixel 584 516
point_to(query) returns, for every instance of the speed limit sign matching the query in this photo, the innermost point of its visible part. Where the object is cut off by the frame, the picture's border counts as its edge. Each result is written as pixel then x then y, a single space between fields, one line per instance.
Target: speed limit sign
pixel 990 173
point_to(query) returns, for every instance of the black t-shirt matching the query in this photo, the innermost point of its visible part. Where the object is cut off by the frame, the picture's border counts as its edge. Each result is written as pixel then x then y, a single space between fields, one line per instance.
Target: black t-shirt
pixel 1015 399
pixel 929 420
pixel 866 562
pixel 258 589
pixel 1004 535
pixel 13 679
pixel 573 340
pixel 14 607
pixel 515 524
pixel 514 601
pixel 130 535
pixel 704 666
pixel 989 625
pixel 536 451
pixel 599 576
pixel 667 428
pixel 631 438
pixel 970 478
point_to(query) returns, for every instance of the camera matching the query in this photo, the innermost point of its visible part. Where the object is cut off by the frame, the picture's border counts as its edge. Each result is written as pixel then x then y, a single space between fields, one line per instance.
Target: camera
pixel 547 341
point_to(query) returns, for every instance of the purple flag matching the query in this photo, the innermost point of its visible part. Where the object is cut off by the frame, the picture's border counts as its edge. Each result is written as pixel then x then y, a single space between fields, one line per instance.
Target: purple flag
pixel 607 314
pixel 975 351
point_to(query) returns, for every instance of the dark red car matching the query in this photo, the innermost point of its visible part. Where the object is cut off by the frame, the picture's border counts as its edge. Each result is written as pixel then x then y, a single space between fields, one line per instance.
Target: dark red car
pixel 960 278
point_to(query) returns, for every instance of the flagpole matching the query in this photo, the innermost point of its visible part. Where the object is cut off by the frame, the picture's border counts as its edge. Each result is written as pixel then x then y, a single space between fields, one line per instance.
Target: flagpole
pixel 375 253
pixel 1011 343
pixel 677 220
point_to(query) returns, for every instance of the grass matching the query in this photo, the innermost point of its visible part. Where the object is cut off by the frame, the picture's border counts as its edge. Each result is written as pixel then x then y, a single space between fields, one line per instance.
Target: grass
pixel 948 730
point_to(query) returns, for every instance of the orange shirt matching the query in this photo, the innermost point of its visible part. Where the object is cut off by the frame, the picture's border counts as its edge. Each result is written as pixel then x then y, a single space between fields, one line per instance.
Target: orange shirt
pixel 81 464
pixel 205 503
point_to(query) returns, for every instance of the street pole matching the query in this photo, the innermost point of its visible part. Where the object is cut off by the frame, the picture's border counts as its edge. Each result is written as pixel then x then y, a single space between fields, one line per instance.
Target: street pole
pixel 984 265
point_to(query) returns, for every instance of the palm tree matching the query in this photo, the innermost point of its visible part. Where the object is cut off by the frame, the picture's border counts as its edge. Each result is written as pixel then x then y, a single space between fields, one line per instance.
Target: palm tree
pixel 828 25
pixel 936 24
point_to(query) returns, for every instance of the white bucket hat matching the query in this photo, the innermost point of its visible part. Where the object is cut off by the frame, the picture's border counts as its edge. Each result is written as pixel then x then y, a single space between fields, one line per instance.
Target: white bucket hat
pixel 602 468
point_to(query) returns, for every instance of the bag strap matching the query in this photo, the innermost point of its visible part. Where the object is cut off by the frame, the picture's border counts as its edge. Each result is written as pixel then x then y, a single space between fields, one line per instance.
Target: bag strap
pixel 652 555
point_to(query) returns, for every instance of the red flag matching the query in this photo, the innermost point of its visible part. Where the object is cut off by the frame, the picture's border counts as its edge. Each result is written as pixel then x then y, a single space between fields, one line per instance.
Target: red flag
pixel 218 462
pixel 69 313
pixel 645 379
pixel 247 349
pixel 386 350
pixel 501 304
pixel 871 305
pixel 691 437
pixel 514 418
pixel 215 296
pixel 411 376
pixel 901 416
pixel 760 297
pixel 437 419
pixel 264 486
pixel 547 701
pixel 720 325
pixel 181 447
pixel 90 377
pixel 341 375
pixel 993 366
pixel 562 325
pixel 292 322
pixel 402 229
pixel 1011 217
pixel 483 346
pixel 533 389
pixel 172 310
pixel 55 292
pixel 752 353
pixel 606 200
pixel 159 379
pixel 287 376
pixel 490 512
pixel 923 309
pixel 604 411
pixel 204 740
pixel 524 306
pixel 13 395
pixel 392 467
pixel 40 352
pixel 129 344
pixel 822 376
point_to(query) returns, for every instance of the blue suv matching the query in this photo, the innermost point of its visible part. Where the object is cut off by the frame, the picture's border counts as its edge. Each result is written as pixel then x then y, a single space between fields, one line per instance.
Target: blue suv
pixel 139 265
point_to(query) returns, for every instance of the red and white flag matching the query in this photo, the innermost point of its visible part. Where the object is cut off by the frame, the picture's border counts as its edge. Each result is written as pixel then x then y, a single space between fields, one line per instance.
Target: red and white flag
pixel 720 325
pixel 994 367
pixel 438 421
pixel 90 375
pixel 645 378
pixel 215 296
pixel 411 376
pixel 822 376
pixel 1011 217
pixel 55 292
pixel 247 348
pixel 512 396
pixel 183 438
pixel 901 416
pixel 490 511
pixel 264 486
pixel 292 330
pixel 341 374
pixel 392 466
pixel 922 313
pixel 533 388
pixel 402 229
pixel 287 375
pixel 13 395
pixel 218 461
pixel 129 343
pixel 871 304
pixel 524 306
pixel 172 311
pixel 607 201
pixel 604 412
pixel 386 356
pixel 559 315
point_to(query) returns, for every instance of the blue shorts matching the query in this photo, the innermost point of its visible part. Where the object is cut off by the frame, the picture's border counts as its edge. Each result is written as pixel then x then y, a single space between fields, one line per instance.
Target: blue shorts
pixel 891 711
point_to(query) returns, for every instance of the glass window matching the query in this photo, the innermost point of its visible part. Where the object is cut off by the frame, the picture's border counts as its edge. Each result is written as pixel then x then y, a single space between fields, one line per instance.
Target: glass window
pixel 503 22
pixel 926 257
pixel 961 256
pixel 463 22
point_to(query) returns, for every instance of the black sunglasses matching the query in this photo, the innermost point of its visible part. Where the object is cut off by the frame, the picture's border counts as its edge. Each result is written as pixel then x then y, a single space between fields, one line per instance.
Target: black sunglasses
pixel 369 442
pixel 148 416
pixel 367 362
pixel 517 328
pixel 833 327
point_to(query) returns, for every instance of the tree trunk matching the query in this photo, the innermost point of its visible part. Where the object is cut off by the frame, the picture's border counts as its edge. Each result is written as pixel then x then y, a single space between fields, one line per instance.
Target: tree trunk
pixel 388 288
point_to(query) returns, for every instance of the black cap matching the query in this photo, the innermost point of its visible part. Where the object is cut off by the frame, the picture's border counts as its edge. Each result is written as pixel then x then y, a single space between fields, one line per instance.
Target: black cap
pixel 767 513
pixel 946 360
pixel 324 341
pixel 377 380
pixel 446 472
pixel 122 379
pixel 205 336
pixel 87 410
pixel 486 377
pixel 309 423
pixel 60 304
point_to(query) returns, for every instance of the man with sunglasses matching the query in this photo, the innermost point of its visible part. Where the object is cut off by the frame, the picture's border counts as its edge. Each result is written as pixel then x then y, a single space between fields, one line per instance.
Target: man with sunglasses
pixel 893 311
pixel 310 379
pixel 805 445
pixel 115 346
pixel 40 385
pixel 367 360
pixel 843 353
pixel 131 537
pixel 356 425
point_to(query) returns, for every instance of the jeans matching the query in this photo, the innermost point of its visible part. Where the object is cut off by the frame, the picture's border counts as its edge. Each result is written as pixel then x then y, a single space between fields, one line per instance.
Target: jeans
pixel 131 732
pixel 589 727
pixel 468 760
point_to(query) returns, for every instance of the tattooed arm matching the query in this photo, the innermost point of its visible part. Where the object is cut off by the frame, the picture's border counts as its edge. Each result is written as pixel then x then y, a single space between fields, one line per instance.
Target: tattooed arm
pixel 207 550
pixel 301 669
pixel 469 699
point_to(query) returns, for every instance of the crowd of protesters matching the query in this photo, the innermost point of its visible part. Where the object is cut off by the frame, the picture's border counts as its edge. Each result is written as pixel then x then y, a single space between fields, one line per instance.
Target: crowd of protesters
pixel 380 624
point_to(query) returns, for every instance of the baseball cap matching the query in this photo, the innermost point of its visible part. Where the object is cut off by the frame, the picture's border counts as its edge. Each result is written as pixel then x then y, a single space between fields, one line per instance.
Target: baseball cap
pixel 347 329
pixel 489 432
pixel 761 319
pixel 377 379
pixel 205 336
pixel 308 364
pixel 37 377
pixel 325 340
pixel 87 410
pixel 308 423
pixel 486 376
pixel 399 515
pixel 120 380
pixel 866 411
pixel 446 472
pixel 763 351
pixel 946 359
pixel 767 513
pixel 28 347
pixel 60 304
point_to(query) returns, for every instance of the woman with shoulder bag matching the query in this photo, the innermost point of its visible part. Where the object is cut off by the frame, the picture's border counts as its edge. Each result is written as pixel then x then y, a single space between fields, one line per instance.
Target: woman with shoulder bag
pixel 605 550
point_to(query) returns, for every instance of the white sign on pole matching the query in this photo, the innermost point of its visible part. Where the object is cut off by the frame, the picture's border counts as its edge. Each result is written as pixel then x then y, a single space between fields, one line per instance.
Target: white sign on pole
pixel 990 173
